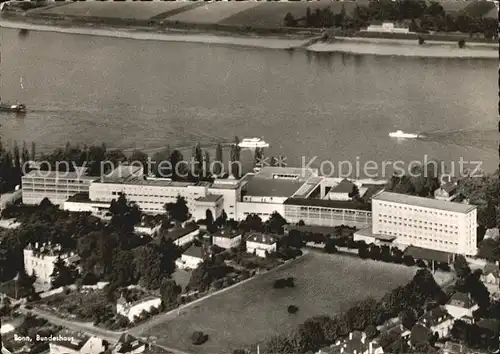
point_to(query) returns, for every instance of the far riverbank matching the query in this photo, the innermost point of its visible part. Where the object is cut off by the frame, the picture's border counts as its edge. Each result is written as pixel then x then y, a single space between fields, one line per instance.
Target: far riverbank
pixel 300 40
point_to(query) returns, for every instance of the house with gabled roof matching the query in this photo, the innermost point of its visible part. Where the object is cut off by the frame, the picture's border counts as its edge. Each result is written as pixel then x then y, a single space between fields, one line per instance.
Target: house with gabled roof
pixel 356 343
pixel 447 191
pixel 491 275
pixel 461 306
pixel 438 320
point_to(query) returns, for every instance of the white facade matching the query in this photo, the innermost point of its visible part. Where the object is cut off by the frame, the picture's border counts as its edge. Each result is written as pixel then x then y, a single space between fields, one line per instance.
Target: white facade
pixel 188 262
pixel 263 210
pixel 227 239
pixel 56 186
pixel 92 345
pixel 214 203
pixel 260 244
pixel 182 237
pixel 427 223
pixel 135 309
pixel 387 27
pixel 41 260
pixel 231 194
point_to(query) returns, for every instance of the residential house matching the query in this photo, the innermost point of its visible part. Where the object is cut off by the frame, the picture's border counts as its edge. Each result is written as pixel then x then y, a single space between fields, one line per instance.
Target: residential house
pixel 67 342
pixel 39 259
pixel 190 259
pixel 128 344
pixel 261 244
pixel 461 306
pixel 438 320
pixel 343 191
pixel 447 191
pixel 491 277
pixel 356 343
pixel 226 238
pixel 182 236
pixel 149 225
pixel 131 310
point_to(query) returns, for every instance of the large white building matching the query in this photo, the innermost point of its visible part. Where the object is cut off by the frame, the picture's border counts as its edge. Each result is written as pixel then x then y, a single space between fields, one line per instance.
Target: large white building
pixel 39 259
pixel 68 342
pixel 54 185
pixel 132 310
pixel 426 223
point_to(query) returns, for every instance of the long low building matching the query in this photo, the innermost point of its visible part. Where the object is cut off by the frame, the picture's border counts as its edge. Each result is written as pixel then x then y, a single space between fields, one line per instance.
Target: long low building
pixel 331 213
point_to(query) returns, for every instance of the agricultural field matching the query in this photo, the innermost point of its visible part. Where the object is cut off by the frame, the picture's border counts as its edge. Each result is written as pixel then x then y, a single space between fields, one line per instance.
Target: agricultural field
pixel 214 12
pixel 272 14
pixel 122 10
pixel 250 313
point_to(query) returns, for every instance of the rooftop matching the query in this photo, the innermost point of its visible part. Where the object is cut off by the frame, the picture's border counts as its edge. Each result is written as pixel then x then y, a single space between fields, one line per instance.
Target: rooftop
pixel 83 198
pixel 261 187
pixel 324 230
pixel 424 202
pixel 58 175
pixel 227 233
pixel 211 198
pixel 178 233
pixel 427 254
pixel 194 251
pixel 460 299
pixel 128 343
pixel 308 187
pixel 324 203
pixel 435 316
pixel 302 174
pixel 77 343
pixel 262 238
pixel 345 186
pixel 369 233
pixel 449 187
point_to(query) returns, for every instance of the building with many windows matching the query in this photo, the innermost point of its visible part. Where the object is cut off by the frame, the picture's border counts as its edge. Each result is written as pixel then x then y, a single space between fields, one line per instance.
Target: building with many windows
pixel 427 223
pixel 55 185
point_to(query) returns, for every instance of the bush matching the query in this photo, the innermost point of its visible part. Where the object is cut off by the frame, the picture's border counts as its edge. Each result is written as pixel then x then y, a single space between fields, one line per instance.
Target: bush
pixel 198 338
pixel 284 283
pixel 292 309
pixel 461 43
pixel 421 40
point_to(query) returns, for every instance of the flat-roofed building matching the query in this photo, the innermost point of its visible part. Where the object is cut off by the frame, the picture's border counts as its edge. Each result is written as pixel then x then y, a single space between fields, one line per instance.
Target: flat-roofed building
pixel 331 213
pixel 427 223
pixel 54 185
pixel 211 202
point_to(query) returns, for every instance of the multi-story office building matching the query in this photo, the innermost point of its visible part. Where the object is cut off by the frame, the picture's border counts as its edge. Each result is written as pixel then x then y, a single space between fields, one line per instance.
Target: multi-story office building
pixel 54 185
pixel 426 223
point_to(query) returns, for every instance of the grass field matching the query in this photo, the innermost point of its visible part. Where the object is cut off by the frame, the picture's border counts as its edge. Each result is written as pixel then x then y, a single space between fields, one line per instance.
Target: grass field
pixel 251 312
pixel 125 10
pixel 272 14
pixel 214 12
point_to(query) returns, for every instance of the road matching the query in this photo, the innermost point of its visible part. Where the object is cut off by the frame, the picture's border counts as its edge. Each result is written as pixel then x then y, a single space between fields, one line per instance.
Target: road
pixel 87 328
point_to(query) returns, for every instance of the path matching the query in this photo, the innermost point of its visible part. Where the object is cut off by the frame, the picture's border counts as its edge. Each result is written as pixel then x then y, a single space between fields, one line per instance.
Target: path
pixel 87 328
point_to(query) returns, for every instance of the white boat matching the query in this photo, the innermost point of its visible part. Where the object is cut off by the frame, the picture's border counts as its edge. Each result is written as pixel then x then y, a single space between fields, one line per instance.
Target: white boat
pixel 253 143
pixel 401 134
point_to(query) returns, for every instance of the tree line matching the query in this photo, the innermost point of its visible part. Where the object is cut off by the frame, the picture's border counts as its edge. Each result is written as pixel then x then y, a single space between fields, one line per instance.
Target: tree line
pixel 419 16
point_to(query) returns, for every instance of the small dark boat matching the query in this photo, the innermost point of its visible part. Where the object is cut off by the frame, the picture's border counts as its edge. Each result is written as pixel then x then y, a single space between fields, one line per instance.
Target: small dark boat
pixel 13 108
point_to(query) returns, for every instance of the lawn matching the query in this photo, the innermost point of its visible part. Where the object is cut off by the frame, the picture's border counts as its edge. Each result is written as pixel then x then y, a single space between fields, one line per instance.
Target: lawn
pixel 251 312
pixel 125 10
pixel 214 12
pixel 272 14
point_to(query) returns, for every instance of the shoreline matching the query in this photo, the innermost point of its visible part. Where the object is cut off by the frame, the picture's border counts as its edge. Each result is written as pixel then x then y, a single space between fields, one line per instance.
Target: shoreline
pixel 306 41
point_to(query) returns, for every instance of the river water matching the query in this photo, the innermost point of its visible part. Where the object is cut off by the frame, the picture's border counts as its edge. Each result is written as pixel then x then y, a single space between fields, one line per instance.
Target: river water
pixel 335 107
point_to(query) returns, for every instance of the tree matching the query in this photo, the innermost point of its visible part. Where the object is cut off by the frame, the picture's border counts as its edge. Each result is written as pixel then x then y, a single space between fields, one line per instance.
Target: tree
pixel 408 318
pixel 330 246
pixel 275 223
pixel 206 166
pixel 461 267
pixel 218 163
pixel 198 338
pixel 461 43
pixel 63 274
pixel 197 159
pixel 33 151
pixel 235 158
pixel 178 172
pixel 489 249
pixel 140 158
pixel 124 214
pixel 290 21
pixel 421 40
pixel 149 266
pixel 179 210
pixel 209 217
pixel 169 292
pixel 159 167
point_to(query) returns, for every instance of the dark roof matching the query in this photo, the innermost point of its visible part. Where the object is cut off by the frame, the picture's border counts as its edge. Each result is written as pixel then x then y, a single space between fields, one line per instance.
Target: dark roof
pixel 460 299
pixel 368 231
pixel 261 187
pixel 79 198
pixel 178 233
pixel 372 189
pixel 435 316
pixel 194 251
pixel 262 238
pixel 428 255
pixel 420 333
pixel 334 204
pixel 345 186
pixel 227 233
pixel 324 230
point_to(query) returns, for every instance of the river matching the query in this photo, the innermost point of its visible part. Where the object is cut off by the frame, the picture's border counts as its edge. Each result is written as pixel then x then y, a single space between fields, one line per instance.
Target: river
pixel 338 107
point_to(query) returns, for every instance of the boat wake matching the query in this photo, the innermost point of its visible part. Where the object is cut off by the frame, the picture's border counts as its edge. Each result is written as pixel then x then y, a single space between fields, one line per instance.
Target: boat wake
pixel 470 138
